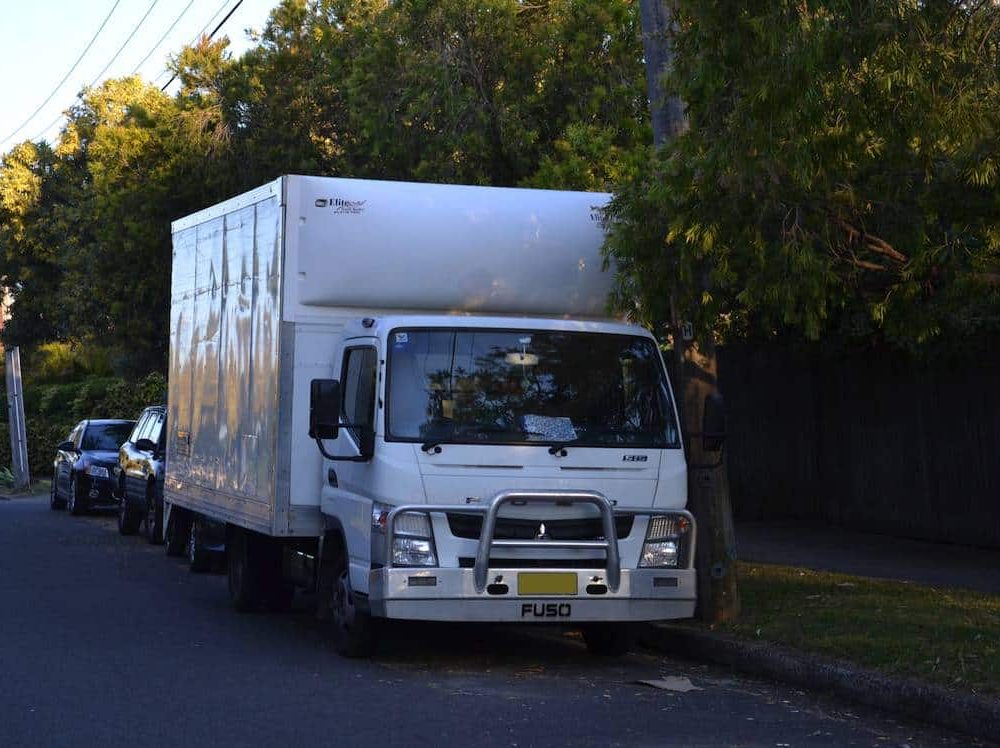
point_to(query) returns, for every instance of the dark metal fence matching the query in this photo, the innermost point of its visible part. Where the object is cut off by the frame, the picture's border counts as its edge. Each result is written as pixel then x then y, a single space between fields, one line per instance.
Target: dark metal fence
pixel 873 442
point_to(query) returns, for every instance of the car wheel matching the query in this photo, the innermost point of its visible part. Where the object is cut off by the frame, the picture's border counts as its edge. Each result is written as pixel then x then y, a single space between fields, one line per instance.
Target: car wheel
pixel 75 504
pixel 199 558
pixel 128 518
pixel 609 639
pixel 154 518
pixel 352 630
pixel 55 502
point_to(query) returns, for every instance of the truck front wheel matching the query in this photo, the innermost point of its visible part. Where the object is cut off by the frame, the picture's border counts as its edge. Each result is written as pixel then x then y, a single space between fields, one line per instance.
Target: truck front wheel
pixel 352 630
pixel 610 639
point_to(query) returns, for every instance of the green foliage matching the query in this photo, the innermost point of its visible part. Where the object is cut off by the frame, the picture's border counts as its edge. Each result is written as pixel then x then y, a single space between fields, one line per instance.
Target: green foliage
pixel 52 410
pixel 477 91
pixel 945 636
pixel 839 176
pixel 61 362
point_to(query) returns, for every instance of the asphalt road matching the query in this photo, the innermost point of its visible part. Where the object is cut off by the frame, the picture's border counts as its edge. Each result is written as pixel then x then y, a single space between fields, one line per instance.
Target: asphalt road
pixel 105 641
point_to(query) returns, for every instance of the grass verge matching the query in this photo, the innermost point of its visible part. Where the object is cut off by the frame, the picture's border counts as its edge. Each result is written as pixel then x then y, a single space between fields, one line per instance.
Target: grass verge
pixel 945 636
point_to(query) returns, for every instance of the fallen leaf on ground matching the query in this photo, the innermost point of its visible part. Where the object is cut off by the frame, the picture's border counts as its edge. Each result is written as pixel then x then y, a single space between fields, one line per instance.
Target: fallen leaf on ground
pixel 670 683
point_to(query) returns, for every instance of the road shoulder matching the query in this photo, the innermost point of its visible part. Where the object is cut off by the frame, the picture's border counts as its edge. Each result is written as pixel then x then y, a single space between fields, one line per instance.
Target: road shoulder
pixel 973 715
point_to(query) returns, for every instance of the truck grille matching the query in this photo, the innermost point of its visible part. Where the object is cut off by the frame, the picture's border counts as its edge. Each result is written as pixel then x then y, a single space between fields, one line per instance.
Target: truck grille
pixel 467 562
pixel 469 526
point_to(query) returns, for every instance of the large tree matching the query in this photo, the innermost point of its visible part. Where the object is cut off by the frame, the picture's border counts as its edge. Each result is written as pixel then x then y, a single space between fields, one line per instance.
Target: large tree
pixel 839 177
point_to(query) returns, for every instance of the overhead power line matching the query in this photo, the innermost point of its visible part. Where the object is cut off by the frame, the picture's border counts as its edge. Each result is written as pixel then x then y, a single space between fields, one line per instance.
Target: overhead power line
pixel 221 24
pixel 110 62
pixel 165 72
pixel 162 38
pixel 211 21
pixel 159 77
pixel 65 77
pixel 125 44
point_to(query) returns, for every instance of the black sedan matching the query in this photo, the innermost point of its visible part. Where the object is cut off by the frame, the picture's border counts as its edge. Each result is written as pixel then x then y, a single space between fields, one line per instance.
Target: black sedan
pixel 82 470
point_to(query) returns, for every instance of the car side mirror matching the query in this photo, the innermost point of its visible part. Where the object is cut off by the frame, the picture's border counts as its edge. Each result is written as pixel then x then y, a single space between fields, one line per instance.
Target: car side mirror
pixel 67 447
pixel 713 423
pixel 324 409
pixel 145 445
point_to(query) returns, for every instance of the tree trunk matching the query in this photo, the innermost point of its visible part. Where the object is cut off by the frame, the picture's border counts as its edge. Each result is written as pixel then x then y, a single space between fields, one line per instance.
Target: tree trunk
pixel 667 112
pixel 697 366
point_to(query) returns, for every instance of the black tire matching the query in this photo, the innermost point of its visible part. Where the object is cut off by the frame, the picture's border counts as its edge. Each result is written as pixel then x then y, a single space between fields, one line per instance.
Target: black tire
pixel 277 592
pixel 352 630
pixel 610 639
pixel 55 503
pixel 154 517
pixel 128 518
pixel 76 504
pixel 178 528
pixel 199 558
pixel 243 568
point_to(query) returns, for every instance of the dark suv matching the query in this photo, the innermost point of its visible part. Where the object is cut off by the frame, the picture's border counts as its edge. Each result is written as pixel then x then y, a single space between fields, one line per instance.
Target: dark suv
pixel 141 461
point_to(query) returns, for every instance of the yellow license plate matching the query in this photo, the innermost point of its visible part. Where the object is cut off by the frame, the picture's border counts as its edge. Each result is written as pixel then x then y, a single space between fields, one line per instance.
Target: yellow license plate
pixel 546 583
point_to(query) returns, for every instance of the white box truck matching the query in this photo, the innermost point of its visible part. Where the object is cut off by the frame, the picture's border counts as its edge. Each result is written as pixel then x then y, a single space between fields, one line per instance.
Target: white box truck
pixel 410 398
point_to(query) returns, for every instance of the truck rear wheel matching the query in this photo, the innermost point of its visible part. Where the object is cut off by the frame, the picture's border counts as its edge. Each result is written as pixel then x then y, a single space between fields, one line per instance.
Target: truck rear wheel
pixel 352 630
pixel 610 639
pixel 177 531
pixel 199 557
pixel 277 592
pixel 244 570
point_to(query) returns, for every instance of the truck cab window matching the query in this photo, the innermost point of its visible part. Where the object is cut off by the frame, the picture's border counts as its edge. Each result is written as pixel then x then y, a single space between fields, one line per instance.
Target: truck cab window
pixel 474 386
pixel 358 389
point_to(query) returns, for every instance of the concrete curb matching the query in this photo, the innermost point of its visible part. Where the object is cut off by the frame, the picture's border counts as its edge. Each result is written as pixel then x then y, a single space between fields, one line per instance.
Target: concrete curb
pixel 973 715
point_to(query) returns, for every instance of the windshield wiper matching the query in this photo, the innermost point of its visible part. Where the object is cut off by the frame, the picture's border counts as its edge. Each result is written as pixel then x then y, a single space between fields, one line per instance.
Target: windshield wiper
pixel 431 446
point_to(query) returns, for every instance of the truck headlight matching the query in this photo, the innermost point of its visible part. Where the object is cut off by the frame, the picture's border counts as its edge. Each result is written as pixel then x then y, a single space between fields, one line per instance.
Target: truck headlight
pixel 96 471
pixel 667 540
pixel 413 541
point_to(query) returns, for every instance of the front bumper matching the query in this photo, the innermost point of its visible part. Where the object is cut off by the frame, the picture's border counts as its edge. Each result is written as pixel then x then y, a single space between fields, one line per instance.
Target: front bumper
pixel 590 584
pixel 97 491
pixel 450 595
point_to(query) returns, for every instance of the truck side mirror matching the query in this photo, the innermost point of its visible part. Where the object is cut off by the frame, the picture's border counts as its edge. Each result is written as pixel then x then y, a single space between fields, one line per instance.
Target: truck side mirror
pixel 367 442
pixel 713 423
pixel 324 409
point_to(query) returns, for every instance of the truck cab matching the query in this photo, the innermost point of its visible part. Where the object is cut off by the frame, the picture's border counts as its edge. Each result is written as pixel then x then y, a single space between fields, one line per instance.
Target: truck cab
pixel 498 469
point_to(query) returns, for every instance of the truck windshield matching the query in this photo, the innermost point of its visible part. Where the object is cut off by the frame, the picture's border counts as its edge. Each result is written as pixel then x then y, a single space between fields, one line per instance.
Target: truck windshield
pixel 475 386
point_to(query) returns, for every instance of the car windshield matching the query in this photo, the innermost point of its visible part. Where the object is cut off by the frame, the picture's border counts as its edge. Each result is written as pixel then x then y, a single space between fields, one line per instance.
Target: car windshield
pixel 106 436
pixel 528 386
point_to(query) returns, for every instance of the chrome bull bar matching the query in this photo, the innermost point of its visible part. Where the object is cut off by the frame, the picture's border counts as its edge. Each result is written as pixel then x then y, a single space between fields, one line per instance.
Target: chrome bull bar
pixel 491 510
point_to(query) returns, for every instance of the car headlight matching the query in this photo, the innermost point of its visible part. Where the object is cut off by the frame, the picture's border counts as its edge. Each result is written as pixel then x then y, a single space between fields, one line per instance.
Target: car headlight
pixel 96 471
pixel 413 540
pixel 667 540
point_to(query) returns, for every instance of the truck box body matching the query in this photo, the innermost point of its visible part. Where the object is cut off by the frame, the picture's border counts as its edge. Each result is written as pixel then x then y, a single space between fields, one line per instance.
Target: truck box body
pixel 428 308
pixel 263 284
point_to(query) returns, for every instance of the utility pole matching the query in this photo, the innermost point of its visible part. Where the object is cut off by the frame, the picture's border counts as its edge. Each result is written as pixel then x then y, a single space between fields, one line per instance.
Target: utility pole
pixel 696 362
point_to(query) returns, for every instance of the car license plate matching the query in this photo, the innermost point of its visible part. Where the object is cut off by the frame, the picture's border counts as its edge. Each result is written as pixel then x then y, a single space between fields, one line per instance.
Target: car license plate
pixel 546 583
